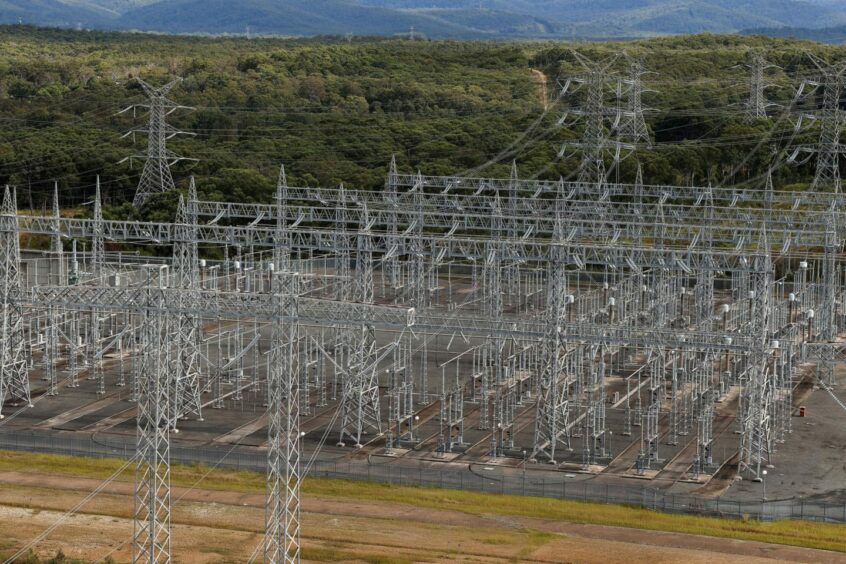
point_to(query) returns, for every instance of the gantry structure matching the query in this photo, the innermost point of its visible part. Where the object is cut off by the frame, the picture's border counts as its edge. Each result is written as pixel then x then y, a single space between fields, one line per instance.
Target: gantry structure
pixel 569 300
pixel 527 318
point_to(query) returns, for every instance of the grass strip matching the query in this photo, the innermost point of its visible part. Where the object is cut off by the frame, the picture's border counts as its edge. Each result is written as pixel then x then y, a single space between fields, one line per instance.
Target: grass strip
pixel 806 534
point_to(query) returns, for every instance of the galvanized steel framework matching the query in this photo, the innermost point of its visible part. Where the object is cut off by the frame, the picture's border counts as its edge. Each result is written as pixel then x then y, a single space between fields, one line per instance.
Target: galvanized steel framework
pixel 616 291
pixel 684 294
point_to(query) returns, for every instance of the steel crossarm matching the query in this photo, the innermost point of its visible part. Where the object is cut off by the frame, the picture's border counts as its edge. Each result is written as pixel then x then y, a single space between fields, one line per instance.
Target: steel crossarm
pixel 469 247
pixel 590 333
pixel 247 305
pixel 730 194
pixel 731 225
pixel 158 306
pixel 825 352
pixel 230 305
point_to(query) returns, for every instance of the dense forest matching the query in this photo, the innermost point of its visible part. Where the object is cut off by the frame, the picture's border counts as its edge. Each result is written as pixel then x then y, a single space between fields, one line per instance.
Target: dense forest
pixel 833 34
pixel 334 110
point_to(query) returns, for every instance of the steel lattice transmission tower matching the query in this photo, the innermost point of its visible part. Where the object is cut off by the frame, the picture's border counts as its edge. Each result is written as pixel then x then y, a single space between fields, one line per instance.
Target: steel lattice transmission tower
pixel 14 379
pixel 551 422
pixel 151 537
pixel 756 441
pixel 360 411
pixel 598 118
pixel 156 176
pixel 828 149
pixel 632 128
pixel 756 106
pixel 282 504
pixel 186 276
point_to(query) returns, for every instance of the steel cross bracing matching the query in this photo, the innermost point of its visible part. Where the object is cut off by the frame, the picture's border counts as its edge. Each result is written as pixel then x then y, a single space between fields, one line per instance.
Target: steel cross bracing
pixel 360 412
pixel 598 118
pixel 455 188
pixel 14 381
pixel 791 230
pixel 551 422
pixel 311 205
pixel 756 106
pixel 527 198
pixel 632 128
pixel 187 333
pixel 210 303
pixel 151 540
pixel 538 197
pixel 829 148
pixel 757 436
pixel 156 176
pixel 284 477
pixel 465 247
pixel 158 306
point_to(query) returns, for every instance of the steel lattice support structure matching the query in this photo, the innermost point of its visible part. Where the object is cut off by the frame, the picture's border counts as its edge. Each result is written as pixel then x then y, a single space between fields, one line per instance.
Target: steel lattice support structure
pixel 598 118
pixel 632 128
pixel 284 478
pixel 156 177
pixel 360 410
pixel 187 333
pixel 14 380
pixel 152 535
pixel 756 106
pixel 551 299
pixel 830 116
pixel 757 428
pixel 157 306
pixel 551 421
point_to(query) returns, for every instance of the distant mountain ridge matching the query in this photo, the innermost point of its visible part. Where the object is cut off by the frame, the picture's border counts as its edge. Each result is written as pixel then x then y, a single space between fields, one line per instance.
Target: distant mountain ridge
pixel 315 17
pixel 432 18
pixel 47 12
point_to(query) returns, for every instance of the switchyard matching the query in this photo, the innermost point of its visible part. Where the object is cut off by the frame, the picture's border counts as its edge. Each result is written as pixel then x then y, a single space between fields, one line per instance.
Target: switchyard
pixel 660 333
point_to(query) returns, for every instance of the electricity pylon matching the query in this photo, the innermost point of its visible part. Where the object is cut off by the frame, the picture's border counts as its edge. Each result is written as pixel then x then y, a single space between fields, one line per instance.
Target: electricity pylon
pixel 156 176
pixel 632 127
pixel 828 149
pixel 597 117
pixel 756 106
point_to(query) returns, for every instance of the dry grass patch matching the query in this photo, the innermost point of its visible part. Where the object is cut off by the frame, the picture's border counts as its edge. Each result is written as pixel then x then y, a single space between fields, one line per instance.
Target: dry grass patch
pixel 795 533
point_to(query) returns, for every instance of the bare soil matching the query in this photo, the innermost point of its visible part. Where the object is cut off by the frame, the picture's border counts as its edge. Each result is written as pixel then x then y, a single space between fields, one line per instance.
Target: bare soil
pixel 215 526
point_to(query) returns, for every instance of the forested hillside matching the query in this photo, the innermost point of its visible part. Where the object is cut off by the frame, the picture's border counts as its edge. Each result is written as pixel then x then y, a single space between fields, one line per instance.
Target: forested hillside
pixel 835 34
pixel 335 111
